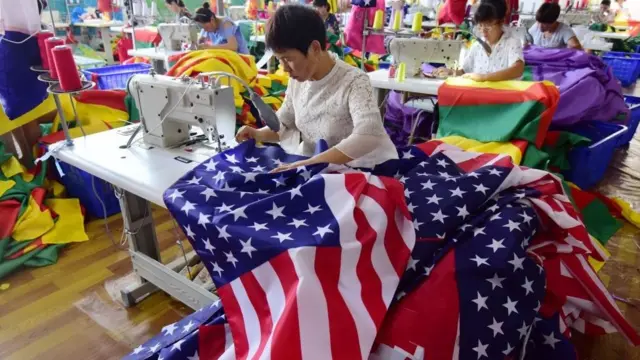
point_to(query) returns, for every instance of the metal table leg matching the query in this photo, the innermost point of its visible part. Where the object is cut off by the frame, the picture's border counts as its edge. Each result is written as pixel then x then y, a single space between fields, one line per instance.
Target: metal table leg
pixel 147 264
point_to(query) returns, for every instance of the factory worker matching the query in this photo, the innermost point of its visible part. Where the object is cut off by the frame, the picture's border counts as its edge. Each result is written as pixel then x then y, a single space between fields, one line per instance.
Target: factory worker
pixel 548 32
pixel 177 7
pixel 506 61
pixel 605 15
pixel 330 21
pixel 219 33
pixel 326 98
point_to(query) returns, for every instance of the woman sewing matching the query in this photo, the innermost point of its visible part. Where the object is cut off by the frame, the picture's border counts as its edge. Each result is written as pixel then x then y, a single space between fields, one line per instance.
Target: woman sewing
pixel 326 98
pixel 177 7
pixel 330 21
pixel 504 62
pixel 548 32
pixel 219 33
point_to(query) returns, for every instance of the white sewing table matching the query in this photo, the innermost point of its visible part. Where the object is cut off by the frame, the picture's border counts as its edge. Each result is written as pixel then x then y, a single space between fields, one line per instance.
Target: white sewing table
pixel 613 35
pixel 142 175
pixel 382 84
pixel 105 34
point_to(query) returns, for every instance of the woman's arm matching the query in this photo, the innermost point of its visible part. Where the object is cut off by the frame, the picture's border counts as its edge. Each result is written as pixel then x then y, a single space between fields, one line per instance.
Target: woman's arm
pixel 513 72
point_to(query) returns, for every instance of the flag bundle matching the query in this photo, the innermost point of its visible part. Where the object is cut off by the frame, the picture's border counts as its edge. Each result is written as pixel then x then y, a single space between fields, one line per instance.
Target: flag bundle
pixel 444 253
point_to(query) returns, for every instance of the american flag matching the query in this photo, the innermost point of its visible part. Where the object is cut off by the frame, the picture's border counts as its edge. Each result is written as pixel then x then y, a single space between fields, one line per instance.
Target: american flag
pixel 442 254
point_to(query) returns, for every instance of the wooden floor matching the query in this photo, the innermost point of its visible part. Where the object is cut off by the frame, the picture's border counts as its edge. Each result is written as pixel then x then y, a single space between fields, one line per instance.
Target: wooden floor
pixel 71 310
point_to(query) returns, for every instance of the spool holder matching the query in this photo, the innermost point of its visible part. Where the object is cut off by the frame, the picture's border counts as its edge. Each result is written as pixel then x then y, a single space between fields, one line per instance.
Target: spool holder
pixel 55 90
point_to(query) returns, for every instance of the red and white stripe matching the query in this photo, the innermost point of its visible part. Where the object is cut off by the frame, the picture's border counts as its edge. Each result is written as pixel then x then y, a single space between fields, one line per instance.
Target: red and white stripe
pixel 324 302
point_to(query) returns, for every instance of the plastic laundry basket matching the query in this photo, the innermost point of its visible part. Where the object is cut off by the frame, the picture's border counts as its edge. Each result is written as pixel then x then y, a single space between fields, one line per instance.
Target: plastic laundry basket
pixel 116 76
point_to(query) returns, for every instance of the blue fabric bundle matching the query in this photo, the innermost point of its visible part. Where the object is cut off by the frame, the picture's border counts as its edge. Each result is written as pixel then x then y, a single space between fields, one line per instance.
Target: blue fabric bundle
pixel 20 90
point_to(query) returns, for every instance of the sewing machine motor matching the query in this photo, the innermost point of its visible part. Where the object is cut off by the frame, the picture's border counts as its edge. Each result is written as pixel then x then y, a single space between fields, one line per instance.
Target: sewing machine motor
pixel 174 35
pixel 168 106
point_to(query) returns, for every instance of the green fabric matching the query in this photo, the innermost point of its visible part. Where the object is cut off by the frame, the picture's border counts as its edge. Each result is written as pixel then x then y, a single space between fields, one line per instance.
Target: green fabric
pixel 535 158
pixel 528 74
pixel 333 40
pixel 599 222
pixel 492 122
pixel 132 109
pixel 559 152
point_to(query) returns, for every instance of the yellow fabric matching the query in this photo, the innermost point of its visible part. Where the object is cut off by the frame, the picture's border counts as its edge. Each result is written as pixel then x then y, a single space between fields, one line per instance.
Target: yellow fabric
pixel 595 264
pixel 628 213
pixel 488 148
pixel 54 188
pixel 93 116
pixel 27 176
pixel 6 185
pixel 69 226
pixel 11 167
pixel 514 85
pixel 33 223
pixel 44 108
pixel 264 81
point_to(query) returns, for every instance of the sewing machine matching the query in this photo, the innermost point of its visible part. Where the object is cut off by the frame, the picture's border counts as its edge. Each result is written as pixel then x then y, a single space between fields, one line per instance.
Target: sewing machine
pixel 413 52
pixel 168 106
pixel 173 35
pixel 578 17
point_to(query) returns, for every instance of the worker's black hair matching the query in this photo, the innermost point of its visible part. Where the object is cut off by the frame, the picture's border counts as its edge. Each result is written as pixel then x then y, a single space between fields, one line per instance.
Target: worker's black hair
pixel 42 4
pixel 322 3
pixel 487 11
pixel 500 5
pixel 295 26
pixel 605 2
pixel 204 14
pixel 179 2
pixel 548 13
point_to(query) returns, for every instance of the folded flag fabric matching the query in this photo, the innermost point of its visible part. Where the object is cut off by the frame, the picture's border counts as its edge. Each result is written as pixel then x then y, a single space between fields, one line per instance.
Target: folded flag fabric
pixel 588 89
pixel 508 110
pixel 329 261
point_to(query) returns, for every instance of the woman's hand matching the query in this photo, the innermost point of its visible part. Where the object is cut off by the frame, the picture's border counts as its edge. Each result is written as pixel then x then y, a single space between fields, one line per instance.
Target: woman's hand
pixel 293 165
pixel 475 77
pixel 247 133
pixel 441 72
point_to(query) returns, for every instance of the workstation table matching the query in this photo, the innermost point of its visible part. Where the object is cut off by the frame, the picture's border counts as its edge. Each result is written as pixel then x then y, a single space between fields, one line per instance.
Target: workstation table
pixel 159 57
pixel 382 84
pixel 140 176
pixel 103 29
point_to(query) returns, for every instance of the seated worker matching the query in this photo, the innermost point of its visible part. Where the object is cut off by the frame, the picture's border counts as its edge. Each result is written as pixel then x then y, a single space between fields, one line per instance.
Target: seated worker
pixel 605 15
pixel 326 98
pixel 549 33
pixel 219 33
pixel 330 21
pixel 177 7
pixel 506 61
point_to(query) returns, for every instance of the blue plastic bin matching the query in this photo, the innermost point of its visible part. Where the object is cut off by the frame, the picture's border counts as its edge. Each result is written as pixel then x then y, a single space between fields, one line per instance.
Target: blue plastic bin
pixel 634 119
pixel 625 66
pixel 116 76
pixel 79 185
pixel 589 163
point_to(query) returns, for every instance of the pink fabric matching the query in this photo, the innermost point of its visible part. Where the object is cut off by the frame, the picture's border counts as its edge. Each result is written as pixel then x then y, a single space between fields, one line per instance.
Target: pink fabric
pixel 453 11
pixel 355 26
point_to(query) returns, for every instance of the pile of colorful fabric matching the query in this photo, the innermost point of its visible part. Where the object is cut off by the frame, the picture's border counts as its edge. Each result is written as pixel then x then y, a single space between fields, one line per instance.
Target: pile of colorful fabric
pixel 36 220
pixel 577 75
pixel 270 86
pixel 326 260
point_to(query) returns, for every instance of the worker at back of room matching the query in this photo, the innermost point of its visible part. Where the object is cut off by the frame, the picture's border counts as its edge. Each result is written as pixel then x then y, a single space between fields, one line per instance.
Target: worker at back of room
pixel 548 32
pixel 506 59
pixel 219 33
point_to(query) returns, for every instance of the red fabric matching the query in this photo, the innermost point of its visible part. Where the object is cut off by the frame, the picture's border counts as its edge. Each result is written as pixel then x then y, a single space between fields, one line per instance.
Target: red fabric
pixel 453 11
pixel 36 244
pixel 9 210
pixel 105 6
pixel 123 47
pixel 355 26
pixel 110 98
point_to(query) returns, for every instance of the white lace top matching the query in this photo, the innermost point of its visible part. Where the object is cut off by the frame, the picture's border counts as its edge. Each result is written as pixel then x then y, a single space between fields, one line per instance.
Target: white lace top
pixel 341 109
pixel 504 54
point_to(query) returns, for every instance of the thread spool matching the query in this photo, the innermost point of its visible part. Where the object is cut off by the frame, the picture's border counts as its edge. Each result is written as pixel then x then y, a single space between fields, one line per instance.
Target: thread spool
pixel 49 44
pixel 378 20
pixel 271 7
pixel 44 58
pixel 401 73
pixel 397 20
pixel 417 22
pixel 66 69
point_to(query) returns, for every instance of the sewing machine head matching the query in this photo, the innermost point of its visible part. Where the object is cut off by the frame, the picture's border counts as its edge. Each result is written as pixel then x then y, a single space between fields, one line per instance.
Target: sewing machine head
pixel 168 106
pixel 413 52
pixel 173 35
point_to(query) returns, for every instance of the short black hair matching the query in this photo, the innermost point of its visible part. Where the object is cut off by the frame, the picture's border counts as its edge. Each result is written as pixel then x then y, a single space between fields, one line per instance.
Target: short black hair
pixel 605 2
pixel 548 13
pixel 42 4
pixel 204 14
pixel 179 2
pixel 295 26
pixel 487 11
pixel 322 3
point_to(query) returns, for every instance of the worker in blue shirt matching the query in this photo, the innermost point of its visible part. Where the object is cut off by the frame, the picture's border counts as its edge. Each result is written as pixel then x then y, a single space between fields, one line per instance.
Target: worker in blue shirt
pixel 219 33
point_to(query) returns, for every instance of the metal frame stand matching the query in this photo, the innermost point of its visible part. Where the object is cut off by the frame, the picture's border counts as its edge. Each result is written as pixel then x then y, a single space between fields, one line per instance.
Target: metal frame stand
pixel 147 264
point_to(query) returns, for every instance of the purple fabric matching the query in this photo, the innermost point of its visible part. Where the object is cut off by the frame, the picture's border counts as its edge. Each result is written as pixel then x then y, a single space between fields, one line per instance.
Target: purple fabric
pixel 588 89
pixel 398 120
